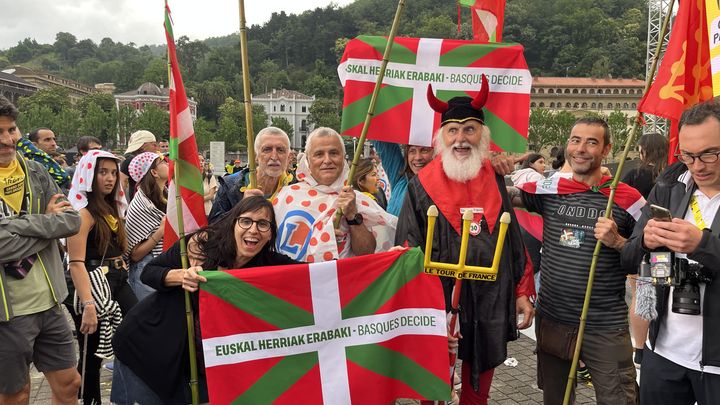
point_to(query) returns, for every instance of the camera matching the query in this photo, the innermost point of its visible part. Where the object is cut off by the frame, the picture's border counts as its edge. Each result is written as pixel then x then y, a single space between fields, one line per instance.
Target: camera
pixel 667 270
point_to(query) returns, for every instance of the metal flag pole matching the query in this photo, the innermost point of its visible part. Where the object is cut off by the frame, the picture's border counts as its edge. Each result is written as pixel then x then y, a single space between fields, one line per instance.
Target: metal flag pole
pixel 608 212
pixel 247 95
pixel 373 99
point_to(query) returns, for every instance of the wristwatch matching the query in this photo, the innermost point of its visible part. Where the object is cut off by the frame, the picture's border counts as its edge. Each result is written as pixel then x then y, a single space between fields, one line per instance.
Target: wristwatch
pixel 357 220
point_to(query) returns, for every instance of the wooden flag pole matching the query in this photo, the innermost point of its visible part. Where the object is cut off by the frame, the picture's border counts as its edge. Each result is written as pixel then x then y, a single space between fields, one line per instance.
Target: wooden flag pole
pixel 569 388
pixel 247 95
pixel 373 99
pixel 189 317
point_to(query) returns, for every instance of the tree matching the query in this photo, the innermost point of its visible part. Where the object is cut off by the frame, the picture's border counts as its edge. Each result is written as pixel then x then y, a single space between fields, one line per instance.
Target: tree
pixel 284 124
pixel 55 98
pixel 96 122
pixel 325 112
pixel 126 117
pixel 549 128
pixel 618 122
pixel 231 125
pixel 67 127
pixel 156 72
pixel 204 132
pixel 155 120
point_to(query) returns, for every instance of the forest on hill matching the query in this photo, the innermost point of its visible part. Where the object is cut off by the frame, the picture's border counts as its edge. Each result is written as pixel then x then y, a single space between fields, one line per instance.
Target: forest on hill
pixel 585 38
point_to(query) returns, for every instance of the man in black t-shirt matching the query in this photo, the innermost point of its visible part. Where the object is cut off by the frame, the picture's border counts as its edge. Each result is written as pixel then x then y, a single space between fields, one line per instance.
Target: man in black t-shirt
pixel 573 214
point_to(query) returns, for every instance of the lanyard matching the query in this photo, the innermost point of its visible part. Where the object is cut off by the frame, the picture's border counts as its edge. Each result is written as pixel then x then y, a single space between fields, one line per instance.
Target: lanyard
pixel 699 222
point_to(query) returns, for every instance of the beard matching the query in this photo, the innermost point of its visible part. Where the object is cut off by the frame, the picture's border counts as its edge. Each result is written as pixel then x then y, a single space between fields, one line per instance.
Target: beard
pixel 468 168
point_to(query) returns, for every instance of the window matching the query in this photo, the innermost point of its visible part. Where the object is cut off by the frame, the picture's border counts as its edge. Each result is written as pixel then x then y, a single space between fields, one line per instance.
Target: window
pixel 568 105
pixel 533 105
pixel 290 108
pixel 634 106
pixel 274 108
pixel 584 105
pixel 575 91
pixel 593 105
pixel 282 107
pixel 542 104
pixel 567 91
pixel 576 105
pixel 551 91
pixel 600 106
pixel 592 91
pixel 303 125
pixel 583 91
pixel 552 105
pixel 623 91
pixel 616 91
pixel 304 109
pixel 541 91
pixel 626 106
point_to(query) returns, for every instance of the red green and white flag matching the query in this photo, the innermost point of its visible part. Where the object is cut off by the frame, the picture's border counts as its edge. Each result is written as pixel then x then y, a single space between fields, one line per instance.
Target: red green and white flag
pixel 183 154
pixel 487 18
pixel 363 330
pixel 454 68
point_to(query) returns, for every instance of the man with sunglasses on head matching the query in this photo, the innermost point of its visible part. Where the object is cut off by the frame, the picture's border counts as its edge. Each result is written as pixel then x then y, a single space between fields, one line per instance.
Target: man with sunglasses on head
pixel 683 363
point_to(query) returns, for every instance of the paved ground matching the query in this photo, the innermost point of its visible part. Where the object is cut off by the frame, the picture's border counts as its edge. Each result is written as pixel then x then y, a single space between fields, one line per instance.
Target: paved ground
pixel 511 385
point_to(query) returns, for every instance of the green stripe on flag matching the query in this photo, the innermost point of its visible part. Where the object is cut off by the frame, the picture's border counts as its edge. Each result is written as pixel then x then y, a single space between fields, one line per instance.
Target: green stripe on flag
pixel 168 23
pixel 405 268
pixel 389 97
pixel 256 302
pixel 467 3
pixel 190 177
pixel 505 136
pixel 396 365
pixel 461 57
pixel 278 379
pixel 399 54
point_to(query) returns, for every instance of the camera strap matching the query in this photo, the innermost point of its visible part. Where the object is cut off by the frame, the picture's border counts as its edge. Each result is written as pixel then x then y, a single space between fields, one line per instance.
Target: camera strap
pixel 694 206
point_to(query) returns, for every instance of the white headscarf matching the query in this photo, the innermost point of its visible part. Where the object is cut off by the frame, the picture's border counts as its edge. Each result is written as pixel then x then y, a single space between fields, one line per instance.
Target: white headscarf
pixel 83 180
pixel 303 174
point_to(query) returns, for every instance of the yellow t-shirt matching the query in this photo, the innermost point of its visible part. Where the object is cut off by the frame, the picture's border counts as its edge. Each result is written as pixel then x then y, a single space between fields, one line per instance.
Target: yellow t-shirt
pixel 12 185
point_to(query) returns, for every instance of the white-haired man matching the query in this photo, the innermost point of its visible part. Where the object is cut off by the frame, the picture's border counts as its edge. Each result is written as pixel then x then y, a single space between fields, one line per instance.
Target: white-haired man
pixel 272 148
pixel 305 211
pixel 461 178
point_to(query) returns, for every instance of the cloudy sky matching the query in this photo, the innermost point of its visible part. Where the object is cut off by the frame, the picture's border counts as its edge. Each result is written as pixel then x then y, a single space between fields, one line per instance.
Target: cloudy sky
pixel 138 21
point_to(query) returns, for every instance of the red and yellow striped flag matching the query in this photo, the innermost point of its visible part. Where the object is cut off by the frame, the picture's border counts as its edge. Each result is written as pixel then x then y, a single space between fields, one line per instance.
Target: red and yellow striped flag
pixel 183 154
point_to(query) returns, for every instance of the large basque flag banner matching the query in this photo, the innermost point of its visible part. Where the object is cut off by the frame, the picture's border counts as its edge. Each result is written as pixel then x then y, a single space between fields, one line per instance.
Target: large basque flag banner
pixel 454 68
pixel 363 330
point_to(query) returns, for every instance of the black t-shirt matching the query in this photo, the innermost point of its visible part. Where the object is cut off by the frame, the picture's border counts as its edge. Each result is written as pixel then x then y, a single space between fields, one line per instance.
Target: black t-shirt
pixel 568 244
pixel 641 179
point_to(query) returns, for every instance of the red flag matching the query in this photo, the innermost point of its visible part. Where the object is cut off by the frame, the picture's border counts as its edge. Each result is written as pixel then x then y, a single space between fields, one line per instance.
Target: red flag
pixel 683 78
pixel 183 153
pixel 363 330
pixel 487 19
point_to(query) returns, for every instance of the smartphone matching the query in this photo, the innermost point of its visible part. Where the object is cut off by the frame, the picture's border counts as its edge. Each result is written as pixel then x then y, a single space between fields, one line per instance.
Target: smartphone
pixel 660 213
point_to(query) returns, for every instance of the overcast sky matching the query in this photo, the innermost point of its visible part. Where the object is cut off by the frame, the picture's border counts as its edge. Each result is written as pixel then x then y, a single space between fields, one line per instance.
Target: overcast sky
pixel 138 21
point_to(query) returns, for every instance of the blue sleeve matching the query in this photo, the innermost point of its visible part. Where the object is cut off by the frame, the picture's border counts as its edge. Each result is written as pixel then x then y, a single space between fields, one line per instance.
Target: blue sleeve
pixel 392 160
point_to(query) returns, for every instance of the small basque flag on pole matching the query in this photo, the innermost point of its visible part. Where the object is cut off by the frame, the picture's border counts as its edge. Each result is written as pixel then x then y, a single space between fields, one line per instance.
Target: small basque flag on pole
pixel 363 330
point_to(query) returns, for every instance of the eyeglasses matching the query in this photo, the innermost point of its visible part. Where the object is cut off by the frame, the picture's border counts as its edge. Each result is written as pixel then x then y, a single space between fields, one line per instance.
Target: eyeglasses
pixel 705 157
pixel 246 223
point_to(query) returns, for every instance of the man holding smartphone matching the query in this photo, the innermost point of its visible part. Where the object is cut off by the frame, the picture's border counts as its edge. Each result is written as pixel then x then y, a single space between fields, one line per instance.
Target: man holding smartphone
pixel 683 363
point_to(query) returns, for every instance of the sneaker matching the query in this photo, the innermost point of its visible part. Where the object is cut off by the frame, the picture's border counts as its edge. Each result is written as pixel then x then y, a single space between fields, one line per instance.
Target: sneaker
pixel 109 366
pixel 583 374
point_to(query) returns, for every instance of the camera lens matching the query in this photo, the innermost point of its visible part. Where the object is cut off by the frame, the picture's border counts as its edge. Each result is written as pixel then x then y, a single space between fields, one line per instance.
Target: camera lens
pixel 686 299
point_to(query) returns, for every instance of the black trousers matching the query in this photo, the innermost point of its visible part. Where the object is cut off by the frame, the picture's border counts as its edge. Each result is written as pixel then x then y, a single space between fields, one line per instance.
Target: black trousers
pixel 121 292
pixel 663 382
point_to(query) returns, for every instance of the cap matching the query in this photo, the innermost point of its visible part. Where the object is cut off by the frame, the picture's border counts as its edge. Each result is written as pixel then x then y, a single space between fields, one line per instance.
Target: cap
pixel 138 139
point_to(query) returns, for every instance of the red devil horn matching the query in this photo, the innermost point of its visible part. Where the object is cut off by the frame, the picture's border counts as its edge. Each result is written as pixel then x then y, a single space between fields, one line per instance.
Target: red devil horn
pixel 435 103
pixel 480 99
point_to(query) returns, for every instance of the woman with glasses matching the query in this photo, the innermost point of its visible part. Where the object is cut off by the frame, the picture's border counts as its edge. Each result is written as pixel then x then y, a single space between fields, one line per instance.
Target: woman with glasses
pixel 151 346
pixel 145 220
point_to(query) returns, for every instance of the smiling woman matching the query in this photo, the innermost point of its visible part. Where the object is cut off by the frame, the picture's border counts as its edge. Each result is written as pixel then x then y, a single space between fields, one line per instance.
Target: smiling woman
pixel 152 365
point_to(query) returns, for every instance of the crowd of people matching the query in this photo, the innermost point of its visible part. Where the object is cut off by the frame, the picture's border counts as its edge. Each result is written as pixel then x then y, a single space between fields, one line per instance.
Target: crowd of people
pixel 90 237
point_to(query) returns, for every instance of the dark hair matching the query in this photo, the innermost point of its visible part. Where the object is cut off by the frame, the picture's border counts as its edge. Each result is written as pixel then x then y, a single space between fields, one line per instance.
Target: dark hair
pixel 654 153
pixel 559 156
pixel 99 206
pixel 364 167
pixel 698 113
pixel 83 143
pixel 7 109
pixel 157 195
pixel 35 133
pixel 600 122
pixel 534 157
pixel 216 243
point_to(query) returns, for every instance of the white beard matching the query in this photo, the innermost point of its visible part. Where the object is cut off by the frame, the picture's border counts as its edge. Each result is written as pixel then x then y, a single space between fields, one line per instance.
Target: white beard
pixel 463 170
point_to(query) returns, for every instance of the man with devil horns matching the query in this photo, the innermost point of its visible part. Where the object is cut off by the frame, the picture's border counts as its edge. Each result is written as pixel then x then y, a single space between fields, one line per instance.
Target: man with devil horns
pixel 460 178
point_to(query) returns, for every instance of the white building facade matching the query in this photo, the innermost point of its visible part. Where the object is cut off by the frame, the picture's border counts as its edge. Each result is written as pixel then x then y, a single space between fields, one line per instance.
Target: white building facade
pixel 291 105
